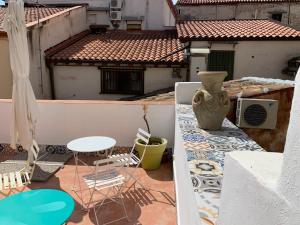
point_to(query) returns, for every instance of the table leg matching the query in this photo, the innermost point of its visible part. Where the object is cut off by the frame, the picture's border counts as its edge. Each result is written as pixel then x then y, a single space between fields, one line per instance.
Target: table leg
pixel 76 176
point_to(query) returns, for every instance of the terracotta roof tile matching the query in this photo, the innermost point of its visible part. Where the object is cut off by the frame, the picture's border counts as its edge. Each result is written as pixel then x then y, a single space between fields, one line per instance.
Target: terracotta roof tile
pixel 235 30
pixel 220 2
pixel 31 13
pixel 121 46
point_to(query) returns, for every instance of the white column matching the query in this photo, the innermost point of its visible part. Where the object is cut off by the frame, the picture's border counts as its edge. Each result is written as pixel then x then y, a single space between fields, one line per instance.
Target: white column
pixel 289 182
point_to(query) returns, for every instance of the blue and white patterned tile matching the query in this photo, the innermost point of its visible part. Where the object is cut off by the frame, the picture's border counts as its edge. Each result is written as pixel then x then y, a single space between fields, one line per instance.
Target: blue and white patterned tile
pixel 205 155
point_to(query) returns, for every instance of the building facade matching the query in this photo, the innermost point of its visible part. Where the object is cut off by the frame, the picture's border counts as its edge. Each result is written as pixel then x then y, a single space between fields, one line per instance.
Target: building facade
pixel 284 11
pixel 129 14
pixel 115 64
pixel 259 48
pixel 131 48
pixel 56 24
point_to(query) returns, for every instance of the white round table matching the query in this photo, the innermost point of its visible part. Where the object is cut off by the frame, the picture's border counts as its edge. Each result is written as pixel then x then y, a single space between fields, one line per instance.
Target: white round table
pixel 88 145
pixel 91 144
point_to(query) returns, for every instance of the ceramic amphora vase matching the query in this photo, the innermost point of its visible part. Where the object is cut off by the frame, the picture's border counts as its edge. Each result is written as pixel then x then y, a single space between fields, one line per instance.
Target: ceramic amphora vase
pixel 210 103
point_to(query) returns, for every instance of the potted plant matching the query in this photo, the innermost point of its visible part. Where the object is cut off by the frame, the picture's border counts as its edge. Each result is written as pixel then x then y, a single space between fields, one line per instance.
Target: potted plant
pixel 154 150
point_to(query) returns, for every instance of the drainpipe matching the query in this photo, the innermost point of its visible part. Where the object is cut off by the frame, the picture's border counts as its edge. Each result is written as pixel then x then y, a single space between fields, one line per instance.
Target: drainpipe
pixel 50 67
pixel 147 14
pixel 289 12
pixel 235 9
pixel 40 48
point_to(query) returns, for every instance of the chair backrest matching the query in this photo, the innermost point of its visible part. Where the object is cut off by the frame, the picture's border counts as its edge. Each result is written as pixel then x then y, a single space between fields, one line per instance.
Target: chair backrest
pixel 32 161
pixel 145 137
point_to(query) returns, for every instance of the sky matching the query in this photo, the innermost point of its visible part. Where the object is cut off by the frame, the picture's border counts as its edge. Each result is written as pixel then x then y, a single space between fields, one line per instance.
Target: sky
pixel 174 1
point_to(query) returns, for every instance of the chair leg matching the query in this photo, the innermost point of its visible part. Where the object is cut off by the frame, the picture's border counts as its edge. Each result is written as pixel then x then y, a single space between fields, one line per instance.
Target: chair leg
pixel 97 222
pixel 124 208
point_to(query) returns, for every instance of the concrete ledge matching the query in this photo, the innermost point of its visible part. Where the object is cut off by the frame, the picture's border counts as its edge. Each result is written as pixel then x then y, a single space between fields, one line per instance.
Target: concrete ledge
pixel 184 92
pixel 249 193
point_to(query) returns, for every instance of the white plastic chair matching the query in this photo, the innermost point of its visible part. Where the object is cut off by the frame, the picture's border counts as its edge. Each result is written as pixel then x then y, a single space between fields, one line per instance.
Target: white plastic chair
pixel 107 180
pixel 130 158
pixel 16 180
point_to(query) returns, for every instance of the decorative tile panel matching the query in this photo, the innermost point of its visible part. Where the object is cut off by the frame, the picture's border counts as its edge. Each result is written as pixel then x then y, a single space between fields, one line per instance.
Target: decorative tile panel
pixel 205 154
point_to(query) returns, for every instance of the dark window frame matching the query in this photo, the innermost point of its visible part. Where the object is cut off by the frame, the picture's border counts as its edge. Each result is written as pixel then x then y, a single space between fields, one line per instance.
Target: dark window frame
pixel 222 60
pixel 116 79
pixel 138 28
pixel 277 16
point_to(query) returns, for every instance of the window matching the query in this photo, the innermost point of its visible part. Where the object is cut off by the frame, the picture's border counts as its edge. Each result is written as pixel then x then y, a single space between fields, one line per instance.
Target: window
pixel 136 26
pixel 116 81
pixel 277 16
pixel 221 61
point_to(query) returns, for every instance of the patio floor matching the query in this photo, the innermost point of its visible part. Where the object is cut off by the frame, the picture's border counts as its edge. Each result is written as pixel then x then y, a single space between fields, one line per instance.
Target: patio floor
pixel 155 206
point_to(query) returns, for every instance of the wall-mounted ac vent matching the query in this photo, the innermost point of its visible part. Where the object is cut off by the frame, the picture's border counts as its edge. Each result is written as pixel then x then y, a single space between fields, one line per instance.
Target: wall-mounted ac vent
pixel 116 4
pixel 256 113
pixel 115 15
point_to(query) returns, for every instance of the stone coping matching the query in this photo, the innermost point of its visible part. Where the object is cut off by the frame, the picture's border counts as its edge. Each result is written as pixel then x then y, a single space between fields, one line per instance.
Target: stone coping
pixel 139 102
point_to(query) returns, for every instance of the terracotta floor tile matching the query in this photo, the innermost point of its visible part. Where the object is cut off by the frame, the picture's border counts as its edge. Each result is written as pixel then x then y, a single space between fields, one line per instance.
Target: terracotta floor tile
pixel 154 206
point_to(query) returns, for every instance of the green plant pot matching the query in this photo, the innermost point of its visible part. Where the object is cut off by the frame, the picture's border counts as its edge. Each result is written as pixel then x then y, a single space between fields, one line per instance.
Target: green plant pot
pixel 154 153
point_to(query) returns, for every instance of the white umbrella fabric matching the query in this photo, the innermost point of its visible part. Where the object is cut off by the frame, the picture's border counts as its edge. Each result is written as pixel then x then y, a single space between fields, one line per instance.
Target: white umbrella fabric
pixel 24 106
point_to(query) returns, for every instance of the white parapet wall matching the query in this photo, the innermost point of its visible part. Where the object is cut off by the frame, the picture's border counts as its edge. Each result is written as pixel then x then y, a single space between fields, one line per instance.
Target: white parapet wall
pixel 186 205
pixel 184 92
pixel 261 188
pixel 61 121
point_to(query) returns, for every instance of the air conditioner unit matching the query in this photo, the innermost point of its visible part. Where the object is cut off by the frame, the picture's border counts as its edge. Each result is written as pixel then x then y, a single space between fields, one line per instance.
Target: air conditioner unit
pixel 116 4
pixel 256 113
pixel 115 15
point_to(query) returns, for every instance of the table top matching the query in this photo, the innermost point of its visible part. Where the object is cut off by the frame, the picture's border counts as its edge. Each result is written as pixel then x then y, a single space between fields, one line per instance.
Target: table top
pixel 36 207
pixel 91 144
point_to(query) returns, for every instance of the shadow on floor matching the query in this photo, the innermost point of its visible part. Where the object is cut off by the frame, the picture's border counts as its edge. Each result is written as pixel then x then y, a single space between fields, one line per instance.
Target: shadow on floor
pixel 164 173
pixel 135 200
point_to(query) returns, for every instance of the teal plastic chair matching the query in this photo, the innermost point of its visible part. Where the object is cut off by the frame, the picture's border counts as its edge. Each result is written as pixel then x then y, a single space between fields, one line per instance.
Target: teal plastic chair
pixel 36 207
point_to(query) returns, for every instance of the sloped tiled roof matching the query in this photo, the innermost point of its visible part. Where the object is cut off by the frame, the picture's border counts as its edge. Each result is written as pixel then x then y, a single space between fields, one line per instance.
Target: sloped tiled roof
pixel 31 13
pixel 120 46
pixel 220 2
pixel 235 30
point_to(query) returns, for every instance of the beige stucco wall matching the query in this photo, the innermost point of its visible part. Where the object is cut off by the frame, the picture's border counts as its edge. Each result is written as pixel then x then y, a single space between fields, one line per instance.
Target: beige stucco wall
pixel 243 11
pixel 5 71
pixel 53 32
pixel 156 13
pixel 77 82
pixel 258 58
pixel 84 82
pixel 159 78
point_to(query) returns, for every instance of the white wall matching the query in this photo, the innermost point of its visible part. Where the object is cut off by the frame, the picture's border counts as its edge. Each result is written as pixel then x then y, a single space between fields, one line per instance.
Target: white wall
pixel 197 64
pixel 270 58
pixel 169 19
pixel 243 11
pixel 53 31
pixel 5 70
pixel 84 82
pixel 156 12
pixel 186 205
pixel 77 82
pixel 159 78
pixel 61 121
pixel 258 58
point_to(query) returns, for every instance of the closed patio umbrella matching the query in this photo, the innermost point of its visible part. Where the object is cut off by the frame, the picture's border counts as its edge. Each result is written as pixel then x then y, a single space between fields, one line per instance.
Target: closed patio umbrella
pixel 24 106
